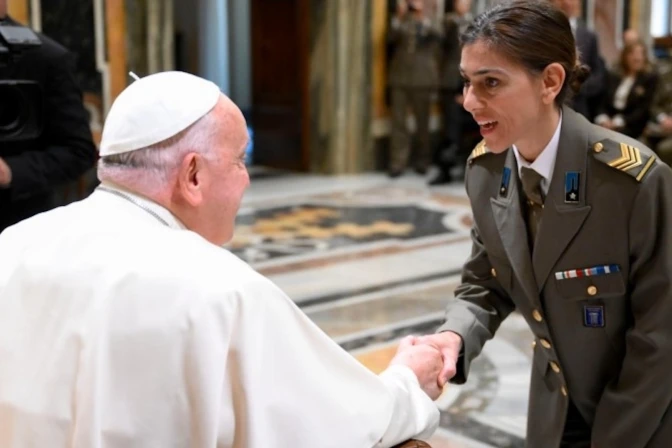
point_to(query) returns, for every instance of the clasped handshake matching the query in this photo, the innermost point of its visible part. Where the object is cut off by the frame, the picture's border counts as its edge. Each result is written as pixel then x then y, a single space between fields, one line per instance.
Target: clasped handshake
pixel 432 358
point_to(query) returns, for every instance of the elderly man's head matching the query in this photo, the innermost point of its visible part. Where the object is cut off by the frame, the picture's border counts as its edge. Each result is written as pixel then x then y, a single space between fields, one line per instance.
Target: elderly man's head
pixel 199 173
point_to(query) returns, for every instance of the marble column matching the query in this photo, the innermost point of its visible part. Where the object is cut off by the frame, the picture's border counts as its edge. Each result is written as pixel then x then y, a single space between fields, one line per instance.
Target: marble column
pixel 340 86
pixel 640 19
pixel 150 27
pixel 214 42
pixel 115 27
pixel 19 10
pixel 608 17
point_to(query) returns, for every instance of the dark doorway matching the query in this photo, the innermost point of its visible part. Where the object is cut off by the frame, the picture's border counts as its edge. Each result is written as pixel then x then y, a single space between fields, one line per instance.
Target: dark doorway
pixel 280 54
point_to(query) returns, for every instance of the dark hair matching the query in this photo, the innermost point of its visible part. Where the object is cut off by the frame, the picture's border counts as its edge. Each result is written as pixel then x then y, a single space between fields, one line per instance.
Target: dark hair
pixel 533 33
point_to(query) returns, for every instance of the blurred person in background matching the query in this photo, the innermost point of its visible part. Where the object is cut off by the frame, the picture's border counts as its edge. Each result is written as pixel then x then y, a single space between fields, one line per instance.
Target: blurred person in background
pixel 659 129
pixel 629 93
pixel 413 78
pixel 452 152
pixel 31 169
pixel 589 99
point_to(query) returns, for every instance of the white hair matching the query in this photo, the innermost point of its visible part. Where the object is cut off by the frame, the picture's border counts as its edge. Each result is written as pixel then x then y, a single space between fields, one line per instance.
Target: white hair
pixel 152 168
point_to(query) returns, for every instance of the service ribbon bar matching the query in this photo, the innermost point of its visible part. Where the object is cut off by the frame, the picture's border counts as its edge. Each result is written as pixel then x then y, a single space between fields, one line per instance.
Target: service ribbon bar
pixel 589 272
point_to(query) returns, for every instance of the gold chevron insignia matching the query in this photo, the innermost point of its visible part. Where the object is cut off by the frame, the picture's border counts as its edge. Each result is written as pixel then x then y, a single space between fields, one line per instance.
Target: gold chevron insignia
pixel 630 158
pixel 624 157
pixel 479 150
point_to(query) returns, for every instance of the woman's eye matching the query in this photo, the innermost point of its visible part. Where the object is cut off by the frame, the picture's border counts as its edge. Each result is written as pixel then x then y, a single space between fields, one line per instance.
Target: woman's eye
pixel 491 82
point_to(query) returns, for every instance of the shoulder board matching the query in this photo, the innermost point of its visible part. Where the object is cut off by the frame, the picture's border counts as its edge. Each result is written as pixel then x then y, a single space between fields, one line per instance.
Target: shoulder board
pixel 479 150
pixel 636 162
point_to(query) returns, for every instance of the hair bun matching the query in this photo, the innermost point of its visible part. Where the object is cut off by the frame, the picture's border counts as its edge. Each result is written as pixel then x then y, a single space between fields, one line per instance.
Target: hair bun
pixel 579 74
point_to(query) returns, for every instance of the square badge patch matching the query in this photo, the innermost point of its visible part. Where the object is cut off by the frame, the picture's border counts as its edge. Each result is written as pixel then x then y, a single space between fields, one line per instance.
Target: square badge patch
pixel 593 316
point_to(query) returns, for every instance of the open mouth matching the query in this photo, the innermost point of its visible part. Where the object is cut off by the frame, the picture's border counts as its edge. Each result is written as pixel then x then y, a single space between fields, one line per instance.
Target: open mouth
pixel 487 127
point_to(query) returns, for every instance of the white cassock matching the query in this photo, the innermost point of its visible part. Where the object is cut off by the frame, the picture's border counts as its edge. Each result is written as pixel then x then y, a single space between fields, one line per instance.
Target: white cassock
pixel 118 328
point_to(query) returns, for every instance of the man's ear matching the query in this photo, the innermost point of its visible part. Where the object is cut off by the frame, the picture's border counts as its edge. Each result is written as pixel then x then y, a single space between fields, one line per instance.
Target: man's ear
pixel 553 79
pixel 190 179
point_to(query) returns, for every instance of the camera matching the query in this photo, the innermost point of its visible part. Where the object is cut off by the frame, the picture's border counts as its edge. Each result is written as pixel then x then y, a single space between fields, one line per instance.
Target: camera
pixel 21 110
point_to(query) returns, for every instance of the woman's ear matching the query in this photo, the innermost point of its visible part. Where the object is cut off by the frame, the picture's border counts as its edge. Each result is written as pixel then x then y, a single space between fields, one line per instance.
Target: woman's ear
pixel 553 78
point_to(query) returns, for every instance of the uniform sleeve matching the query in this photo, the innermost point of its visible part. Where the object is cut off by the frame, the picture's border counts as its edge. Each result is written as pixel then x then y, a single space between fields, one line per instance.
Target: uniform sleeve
pixel 479 307
pixel 298 388
pixel 69 150
pixel 633 405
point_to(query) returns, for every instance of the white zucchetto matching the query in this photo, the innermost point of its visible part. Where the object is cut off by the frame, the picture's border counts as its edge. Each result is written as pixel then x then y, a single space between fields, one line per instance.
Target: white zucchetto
pixel 155 108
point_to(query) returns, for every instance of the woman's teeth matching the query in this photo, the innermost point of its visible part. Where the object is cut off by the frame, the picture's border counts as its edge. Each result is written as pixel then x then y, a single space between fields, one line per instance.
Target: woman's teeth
pixel 487 124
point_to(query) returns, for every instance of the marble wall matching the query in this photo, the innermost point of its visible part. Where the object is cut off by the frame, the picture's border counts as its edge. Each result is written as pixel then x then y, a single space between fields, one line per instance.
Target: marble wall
pixel 608 22
pixel 150 31
pixel 340 86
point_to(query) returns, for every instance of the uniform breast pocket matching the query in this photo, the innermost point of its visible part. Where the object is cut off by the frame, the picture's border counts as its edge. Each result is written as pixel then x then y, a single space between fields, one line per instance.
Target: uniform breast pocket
pixel 602 286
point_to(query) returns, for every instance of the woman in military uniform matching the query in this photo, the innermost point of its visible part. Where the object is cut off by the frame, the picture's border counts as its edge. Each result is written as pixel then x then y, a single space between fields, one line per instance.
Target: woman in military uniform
pixel 573 229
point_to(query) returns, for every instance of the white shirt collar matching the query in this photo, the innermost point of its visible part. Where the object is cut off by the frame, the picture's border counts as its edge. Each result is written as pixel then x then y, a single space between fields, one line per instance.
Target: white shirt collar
pixel 160 213
pixel 545 163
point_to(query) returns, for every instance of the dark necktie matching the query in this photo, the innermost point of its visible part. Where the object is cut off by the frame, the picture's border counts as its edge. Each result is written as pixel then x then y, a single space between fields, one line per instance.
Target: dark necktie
pixel 531 181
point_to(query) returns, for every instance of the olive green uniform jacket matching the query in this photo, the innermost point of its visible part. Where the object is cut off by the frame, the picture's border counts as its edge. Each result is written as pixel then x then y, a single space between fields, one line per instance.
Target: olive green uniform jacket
pixel 604 340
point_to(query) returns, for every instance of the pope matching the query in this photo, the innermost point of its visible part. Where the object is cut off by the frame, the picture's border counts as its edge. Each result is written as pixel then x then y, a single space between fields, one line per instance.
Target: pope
pixel 124 323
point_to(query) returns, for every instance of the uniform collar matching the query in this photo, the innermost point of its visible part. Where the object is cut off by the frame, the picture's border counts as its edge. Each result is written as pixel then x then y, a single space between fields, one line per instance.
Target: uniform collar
pixel 545 163
pixel 160 213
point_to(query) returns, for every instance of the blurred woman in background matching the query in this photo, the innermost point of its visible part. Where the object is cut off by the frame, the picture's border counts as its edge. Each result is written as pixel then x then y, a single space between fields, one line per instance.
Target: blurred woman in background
pixel 629 94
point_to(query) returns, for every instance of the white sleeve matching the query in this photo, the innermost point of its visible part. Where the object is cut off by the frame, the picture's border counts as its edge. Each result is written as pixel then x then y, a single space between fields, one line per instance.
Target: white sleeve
pixel 414 414
pixel 300 389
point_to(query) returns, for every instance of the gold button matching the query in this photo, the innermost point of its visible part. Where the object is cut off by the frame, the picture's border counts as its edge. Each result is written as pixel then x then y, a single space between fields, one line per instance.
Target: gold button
pixel 563 390
pixel 537 315
pixel 592 290
pixel 555 367
pixel 493 272
pixel 545 344
pixel 598 147
pixel 534 344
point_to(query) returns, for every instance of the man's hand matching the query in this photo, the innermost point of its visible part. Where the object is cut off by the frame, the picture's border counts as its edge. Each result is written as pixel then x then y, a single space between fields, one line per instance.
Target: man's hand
pixel 424 361
pixel 450 345
pixel 5 174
